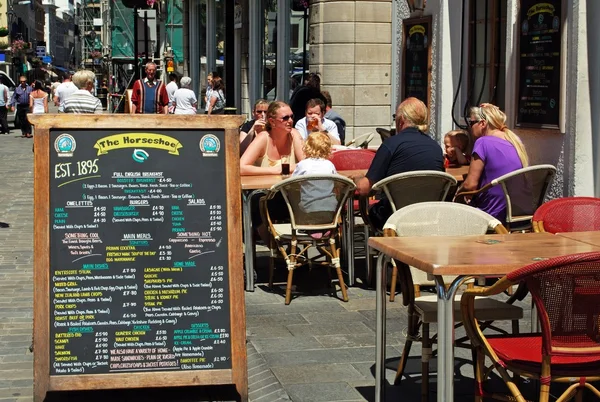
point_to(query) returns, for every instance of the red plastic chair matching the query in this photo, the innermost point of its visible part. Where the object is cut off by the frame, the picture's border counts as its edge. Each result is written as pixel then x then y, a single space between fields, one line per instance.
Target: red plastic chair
pixel 569 214
pixel 352 159
pixel 566 294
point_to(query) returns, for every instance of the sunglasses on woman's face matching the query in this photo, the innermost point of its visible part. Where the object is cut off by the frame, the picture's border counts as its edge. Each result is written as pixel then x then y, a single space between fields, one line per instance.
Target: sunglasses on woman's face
pixel 286 118
pixel 471 123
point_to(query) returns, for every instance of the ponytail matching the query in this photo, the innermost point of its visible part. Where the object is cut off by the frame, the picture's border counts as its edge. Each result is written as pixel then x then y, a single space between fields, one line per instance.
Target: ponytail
pixel 518 144
pixel 496 119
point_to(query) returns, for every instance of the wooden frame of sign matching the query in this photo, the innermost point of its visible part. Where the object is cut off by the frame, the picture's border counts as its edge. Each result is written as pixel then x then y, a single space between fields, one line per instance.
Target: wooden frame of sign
pixel 412 69
pixel 536 80
pixel 65 294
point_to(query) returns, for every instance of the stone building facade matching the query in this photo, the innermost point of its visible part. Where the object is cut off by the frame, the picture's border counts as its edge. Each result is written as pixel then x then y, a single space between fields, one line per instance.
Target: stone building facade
pixel 357 48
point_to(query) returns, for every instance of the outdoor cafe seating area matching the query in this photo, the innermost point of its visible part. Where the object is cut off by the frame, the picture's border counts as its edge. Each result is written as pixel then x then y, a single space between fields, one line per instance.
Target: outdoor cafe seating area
pixel 547 251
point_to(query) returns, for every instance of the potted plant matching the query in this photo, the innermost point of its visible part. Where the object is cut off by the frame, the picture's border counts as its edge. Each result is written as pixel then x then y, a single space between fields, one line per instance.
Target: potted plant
pixel 4 45
pixel 18 46
pixel 95 54
pixel 36 61
pixel 3 32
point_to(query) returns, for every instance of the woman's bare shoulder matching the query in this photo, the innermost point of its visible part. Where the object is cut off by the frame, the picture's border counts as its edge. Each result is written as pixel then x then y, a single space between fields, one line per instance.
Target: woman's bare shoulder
pixel 262 136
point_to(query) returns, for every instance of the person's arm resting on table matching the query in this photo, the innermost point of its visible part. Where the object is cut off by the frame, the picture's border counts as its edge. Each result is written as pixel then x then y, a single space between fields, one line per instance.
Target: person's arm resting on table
pixel 475 169
pixel 333 134
pixel 376 172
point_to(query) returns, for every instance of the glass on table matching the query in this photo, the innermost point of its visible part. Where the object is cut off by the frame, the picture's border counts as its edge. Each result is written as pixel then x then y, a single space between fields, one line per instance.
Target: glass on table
pixel 285 166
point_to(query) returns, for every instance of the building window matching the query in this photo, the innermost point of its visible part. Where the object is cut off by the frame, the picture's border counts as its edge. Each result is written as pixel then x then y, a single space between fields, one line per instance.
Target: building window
pixel 487 52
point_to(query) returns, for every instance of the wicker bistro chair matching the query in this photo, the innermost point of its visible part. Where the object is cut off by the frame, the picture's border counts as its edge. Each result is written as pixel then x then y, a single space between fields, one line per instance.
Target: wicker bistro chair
pixel 362 141
pixel 314 203
pixel 569 214
pixel 405 189
pixel 566 293
pixel 439 219
pixel 524 191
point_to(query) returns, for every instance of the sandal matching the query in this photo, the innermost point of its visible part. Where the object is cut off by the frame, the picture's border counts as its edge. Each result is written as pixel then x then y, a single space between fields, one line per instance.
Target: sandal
pixel 29 135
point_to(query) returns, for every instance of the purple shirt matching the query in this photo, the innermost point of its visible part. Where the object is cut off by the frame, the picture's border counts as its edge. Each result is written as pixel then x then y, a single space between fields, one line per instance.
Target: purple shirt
pixel 499 158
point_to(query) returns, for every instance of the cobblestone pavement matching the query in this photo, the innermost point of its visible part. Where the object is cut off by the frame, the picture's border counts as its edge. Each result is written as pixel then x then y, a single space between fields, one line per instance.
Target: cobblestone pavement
pixel 316 349
pixel 16 273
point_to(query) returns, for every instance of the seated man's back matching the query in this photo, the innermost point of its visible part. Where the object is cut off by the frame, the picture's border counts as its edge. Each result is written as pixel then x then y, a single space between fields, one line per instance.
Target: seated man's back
pixel 409 150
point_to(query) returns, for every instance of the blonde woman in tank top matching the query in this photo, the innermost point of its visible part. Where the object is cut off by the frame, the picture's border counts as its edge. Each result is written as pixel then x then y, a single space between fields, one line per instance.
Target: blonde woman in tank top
pixel 279 140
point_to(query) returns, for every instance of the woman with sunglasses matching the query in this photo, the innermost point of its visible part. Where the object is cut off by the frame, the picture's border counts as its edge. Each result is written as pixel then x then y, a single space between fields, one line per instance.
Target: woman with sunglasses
pixel 279 141
pixel 497 151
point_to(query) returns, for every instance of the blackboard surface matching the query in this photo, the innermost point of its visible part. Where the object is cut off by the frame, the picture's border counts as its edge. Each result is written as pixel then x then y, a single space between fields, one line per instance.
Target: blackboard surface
pixel 138 251
pixel 417 59
pixel 539 63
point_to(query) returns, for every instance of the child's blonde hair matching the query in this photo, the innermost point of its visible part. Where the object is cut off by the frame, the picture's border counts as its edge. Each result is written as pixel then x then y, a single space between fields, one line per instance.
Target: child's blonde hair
pixel 462 138
pixel 317 145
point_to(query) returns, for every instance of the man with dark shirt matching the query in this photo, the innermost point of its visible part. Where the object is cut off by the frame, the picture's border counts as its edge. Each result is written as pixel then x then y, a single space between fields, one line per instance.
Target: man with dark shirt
pixel 20 99
pixel 411 149
pixel 251 128
pixel 303 93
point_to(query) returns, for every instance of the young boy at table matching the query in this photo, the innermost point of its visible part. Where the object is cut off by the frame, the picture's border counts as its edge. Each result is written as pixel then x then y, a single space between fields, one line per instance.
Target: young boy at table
pixel 457 149
pixel 317 197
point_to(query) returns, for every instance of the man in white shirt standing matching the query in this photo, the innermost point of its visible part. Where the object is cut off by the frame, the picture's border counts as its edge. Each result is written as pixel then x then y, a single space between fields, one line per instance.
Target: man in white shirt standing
pixel 171 88
pixel 82 100
pixel 63 91
pixel 315 121
pixel 3 109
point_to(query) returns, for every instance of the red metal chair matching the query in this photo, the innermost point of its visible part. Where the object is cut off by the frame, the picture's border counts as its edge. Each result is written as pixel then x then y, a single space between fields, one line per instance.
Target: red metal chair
pixel 569 214
pixel 566 294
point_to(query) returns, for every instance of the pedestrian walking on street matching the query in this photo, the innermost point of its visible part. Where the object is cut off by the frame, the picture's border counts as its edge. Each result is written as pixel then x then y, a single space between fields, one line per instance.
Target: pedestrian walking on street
pixel 209 84
pixel 149 94
pixel 3 109
pixel 82 100
pixel 20 99
pixel 38 99
pixel 216 102
pixel 62 92
pixel 171 88
pixel 184 99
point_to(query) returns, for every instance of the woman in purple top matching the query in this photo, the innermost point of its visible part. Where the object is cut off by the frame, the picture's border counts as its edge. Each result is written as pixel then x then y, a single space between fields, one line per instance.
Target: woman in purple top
pixel 497 151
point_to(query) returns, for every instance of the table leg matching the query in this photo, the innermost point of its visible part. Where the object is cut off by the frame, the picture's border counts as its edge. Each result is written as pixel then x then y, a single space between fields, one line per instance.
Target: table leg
pixel 349 232
pixel 445 313
pixel 249 250
pixel 380 324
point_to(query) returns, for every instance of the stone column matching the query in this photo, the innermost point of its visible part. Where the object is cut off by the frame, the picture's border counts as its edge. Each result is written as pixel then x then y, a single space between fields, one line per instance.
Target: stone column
pixel 350 46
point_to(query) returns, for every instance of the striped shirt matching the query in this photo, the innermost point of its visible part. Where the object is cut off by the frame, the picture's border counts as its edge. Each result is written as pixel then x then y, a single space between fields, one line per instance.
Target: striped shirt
pixel 82 101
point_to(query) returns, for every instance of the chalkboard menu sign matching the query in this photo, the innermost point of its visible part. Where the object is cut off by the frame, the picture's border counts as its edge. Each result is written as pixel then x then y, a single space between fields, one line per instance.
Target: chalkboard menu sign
pixel 417 59
pixel 140 252
pixel 539 63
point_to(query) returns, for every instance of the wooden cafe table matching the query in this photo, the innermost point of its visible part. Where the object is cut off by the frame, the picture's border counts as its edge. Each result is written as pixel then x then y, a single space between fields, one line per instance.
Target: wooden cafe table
pixel 592 238
pixel 252 185
pixel 489 255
